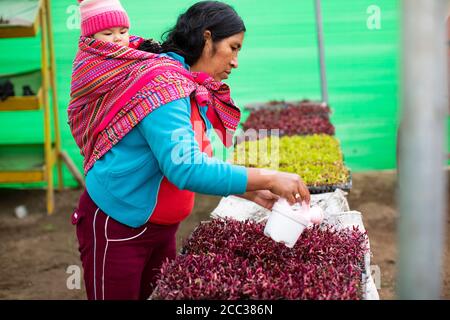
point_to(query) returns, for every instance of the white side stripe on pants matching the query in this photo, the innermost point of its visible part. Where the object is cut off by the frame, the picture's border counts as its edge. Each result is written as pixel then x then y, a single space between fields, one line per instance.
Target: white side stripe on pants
pixel 106 248
pixel 95 254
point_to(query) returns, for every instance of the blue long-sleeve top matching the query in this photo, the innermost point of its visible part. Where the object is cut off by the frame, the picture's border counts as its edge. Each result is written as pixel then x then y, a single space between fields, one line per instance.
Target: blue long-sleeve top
pixel 126 181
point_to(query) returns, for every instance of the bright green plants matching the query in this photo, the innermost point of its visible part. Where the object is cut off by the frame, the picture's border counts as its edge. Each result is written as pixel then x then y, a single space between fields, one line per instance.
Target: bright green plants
pixel 316 158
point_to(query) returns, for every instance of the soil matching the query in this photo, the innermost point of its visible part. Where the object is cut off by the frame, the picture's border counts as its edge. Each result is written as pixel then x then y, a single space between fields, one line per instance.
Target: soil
pixel 37 250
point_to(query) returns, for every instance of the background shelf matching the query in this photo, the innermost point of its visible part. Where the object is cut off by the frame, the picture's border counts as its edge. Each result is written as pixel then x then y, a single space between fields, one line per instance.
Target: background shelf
pixel 19 80
pixel 29 163
pixel 22 163
pixel 19 18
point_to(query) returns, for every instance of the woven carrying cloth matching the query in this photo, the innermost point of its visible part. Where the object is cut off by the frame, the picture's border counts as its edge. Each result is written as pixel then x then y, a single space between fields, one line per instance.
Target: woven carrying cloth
pixel 115 87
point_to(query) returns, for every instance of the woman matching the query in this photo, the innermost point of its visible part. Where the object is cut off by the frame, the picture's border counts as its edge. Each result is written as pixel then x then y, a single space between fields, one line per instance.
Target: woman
pixel 142 127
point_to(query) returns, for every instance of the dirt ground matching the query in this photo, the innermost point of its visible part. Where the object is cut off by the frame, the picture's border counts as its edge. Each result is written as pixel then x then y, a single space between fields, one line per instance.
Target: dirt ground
pixel 36 251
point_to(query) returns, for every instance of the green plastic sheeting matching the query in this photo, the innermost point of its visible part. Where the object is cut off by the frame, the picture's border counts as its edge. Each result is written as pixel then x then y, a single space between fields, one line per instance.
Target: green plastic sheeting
pixel 278 61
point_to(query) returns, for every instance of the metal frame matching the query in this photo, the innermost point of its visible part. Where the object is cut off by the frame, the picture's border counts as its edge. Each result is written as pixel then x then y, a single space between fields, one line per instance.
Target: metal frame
pixel 321 52
pixel 423 179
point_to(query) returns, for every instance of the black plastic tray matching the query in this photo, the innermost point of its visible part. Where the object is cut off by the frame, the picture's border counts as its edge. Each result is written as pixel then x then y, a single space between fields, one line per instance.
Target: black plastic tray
pixel 255 107
pixel 331 188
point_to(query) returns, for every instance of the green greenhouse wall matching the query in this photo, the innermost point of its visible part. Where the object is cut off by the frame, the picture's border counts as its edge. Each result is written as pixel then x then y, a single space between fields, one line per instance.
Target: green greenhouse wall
pixel 278 61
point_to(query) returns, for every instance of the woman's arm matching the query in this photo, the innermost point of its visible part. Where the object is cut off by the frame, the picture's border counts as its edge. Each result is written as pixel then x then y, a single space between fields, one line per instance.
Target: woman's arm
pixel 169 133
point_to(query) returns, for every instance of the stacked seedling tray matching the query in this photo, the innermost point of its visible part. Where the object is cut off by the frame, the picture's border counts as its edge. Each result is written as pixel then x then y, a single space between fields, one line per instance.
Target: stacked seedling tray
pixel 316 158
pixel 337 215
pixel 281 104
pixel 307 146
pixel 291 119
pixel 232 260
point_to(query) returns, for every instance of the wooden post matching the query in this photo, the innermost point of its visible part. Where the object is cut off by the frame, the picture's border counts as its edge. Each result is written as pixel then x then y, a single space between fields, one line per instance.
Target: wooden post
pixel 49 158
pixel 52 73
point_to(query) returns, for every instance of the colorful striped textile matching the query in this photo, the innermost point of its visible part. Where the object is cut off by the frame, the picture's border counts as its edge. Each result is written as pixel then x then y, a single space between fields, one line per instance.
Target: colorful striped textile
pixel 114 87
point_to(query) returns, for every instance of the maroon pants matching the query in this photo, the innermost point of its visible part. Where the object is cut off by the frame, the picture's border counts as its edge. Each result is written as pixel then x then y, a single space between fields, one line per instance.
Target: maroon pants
pixel 120 262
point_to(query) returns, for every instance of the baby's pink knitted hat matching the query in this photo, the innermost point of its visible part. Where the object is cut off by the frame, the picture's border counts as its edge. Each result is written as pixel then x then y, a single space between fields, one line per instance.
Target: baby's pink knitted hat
pixel 97 15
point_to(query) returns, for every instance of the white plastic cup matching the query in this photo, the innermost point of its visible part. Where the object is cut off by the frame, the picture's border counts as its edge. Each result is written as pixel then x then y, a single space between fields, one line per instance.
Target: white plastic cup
pixel 284 225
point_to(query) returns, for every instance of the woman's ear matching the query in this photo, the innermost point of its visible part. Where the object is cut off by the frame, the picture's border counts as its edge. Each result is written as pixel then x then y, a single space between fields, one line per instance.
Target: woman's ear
pixel 207 35
pixel 208 40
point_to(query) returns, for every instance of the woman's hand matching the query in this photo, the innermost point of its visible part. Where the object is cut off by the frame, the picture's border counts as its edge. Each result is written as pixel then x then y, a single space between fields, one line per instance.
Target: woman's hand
pixel 286 185
pixel 264 198
pixel 291 187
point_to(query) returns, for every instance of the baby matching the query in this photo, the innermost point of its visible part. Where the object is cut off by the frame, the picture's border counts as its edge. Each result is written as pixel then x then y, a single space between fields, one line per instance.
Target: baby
pixel 105 20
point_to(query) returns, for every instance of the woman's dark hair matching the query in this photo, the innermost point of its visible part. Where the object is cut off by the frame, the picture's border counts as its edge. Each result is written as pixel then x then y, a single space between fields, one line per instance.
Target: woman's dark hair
pixel 186 38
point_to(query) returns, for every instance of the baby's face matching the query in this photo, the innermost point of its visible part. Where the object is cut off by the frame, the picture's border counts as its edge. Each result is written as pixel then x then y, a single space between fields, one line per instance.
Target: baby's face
pixel 118 35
